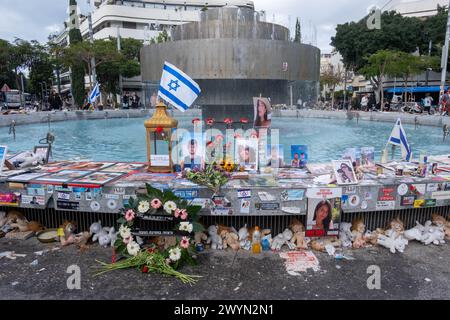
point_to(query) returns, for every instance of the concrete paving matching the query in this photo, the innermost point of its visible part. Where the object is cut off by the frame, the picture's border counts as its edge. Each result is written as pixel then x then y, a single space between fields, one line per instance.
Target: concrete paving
pixel 419 273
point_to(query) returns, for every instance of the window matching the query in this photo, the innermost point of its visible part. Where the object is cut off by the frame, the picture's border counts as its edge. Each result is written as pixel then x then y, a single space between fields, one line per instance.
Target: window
pixel 129 25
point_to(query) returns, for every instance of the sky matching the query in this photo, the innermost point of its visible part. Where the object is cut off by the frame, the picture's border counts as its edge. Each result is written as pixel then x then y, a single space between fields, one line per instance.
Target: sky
pixel 36 19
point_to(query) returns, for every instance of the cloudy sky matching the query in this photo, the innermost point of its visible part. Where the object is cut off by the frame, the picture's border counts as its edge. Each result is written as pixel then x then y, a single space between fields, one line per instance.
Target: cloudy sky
pixel 36 19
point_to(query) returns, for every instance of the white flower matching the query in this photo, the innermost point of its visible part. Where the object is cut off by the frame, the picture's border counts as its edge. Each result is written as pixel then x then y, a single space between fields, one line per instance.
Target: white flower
pixel 144 206
pixel 170 206
pixel 133 248
pixel 175 254
pixel 186 226
pixel 124 232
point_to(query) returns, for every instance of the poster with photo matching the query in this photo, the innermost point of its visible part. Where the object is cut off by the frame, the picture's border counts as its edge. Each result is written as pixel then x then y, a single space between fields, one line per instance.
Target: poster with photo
pixel 275 156
pixel 89 165
pixel 124 167
pixel 43 152
pixel 368 156
pixel 33 200
pixel 18 158
pixel 99 178
pixel 299 156
pixel 246 154
pixel 324 211
pixel 26 177
pixel 343 170
pixel 263 113
pixel 63 176
pixel 352 154
pixel 192 153
pixel 3 150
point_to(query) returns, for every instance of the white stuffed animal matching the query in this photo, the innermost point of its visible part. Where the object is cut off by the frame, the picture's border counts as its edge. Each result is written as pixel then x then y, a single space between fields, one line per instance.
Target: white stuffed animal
pixel 281 239
pixel 32 160
pixel 433 234
pixel 96 227
pixel 105 236
pixel 393 241
pixel 346 235
pixel 243 238
pixel 415 233
pixel 214 239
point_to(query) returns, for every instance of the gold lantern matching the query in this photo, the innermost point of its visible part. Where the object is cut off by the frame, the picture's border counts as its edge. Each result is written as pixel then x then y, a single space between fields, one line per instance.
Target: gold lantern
pixel 159 147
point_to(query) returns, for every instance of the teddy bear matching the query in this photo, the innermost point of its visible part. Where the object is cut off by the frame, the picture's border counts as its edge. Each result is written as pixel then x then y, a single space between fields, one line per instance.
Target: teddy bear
pixel 371 237
pixel 105 237
pixel 298 231
pixel 230 239
pixel 281 239
pixel 214 239
pixel 393 238
pixel 200 237
pixel 70 237
pixel 321 244
pixel 415 233
pixel 433 233
pixel 357 230
pixel 22 225
pixel 244 241
pixel 439 220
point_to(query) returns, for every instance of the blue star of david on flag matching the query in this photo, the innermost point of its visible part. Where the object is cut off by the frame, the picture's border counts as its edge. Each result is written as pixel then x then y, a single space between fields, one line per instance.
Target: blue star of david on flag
pixel 177 88
pixel 173 85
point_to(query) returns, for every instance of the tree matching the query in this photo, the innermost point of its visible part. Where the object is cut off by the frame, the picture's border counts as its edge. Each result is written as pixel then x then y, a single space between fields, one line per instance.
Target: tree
pixel 331 77
pixel 354 41
pixel 161 38
pixel 6 74
pixel 298 32
pixel 408 65
pixel 78 89
pixel 380 64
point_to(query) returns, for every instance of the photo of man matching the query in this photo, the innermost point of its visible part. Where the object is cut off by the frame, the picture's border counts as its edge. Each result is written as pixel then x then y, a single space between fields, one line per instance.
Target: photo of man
pixel 193 159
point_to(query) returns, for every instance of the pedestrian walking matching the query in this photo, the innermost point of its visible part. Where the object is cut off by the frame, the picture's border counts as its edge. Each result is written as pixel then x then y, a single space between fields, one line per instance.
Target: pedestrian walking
pixel 427 102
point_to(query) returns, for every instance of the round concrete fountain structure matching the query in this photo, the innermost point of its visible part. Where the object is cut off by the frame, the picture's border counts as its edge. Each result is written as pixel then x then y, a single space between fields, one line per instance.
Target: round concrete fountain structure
pixel 235 56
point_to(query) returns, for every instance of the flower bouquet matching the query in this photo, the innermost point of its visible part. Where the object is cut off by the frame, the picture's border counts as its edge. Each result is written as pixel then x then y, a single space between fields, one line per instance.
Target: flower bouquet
pixel 129 252
pixel 213 177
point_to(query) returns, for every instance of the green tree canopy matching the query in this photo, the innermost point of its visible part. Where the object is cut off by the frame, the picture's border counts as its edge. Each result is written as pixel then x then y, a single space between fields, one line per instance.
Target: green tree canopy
pixel 355 41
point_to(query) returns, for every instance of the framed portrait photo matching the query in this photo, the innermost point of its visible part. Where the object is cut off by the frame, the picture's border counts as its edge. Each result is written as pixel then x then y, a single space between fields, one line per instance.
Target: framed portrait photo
pixel 343 170
pixel 3 150
pixel 246 154
pixel 263 113
pixel 43 152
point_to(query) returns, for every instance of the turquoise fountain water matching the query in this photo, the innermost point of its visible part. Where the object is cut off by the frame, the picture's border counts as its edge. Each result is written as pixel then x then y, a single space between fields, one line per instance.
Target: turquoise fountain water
pixel 124 139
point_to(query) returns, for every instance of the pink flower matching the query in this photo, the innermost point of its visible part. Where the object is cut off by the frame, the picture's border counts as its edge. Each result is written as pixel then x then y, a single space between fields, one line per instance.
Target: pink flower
pixel 130 215
pixel 184 214
pixel 184 243
pixel 156 203
pixel 177 213
pixel 168 261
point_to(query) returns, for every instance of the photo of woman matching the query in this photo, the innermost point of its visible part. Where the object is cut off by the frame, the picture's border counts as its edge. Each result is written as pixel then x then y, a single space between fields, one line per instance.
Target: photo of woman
pixel 343 169
pixel 322 219
pixel 263 113
pixel 246 154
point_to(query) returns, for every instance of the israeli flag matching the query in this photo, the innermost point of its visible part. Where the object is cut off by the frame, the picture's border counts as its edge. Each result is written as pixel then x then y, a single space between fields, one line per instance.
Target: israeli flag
pixel 398 138
pixel 178 88
pixel 95 93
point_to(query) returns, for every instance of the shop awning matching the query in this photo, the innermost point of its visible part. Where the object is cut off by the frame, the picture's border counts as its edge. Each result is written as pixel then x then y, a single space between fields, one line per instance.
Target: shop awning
pixel 415 89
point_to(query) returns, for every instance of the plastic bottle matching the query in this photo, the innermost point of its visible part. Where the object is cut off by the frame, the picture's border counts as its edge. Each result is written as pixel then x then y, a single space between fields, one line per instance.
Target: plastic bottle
pixel 256 241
